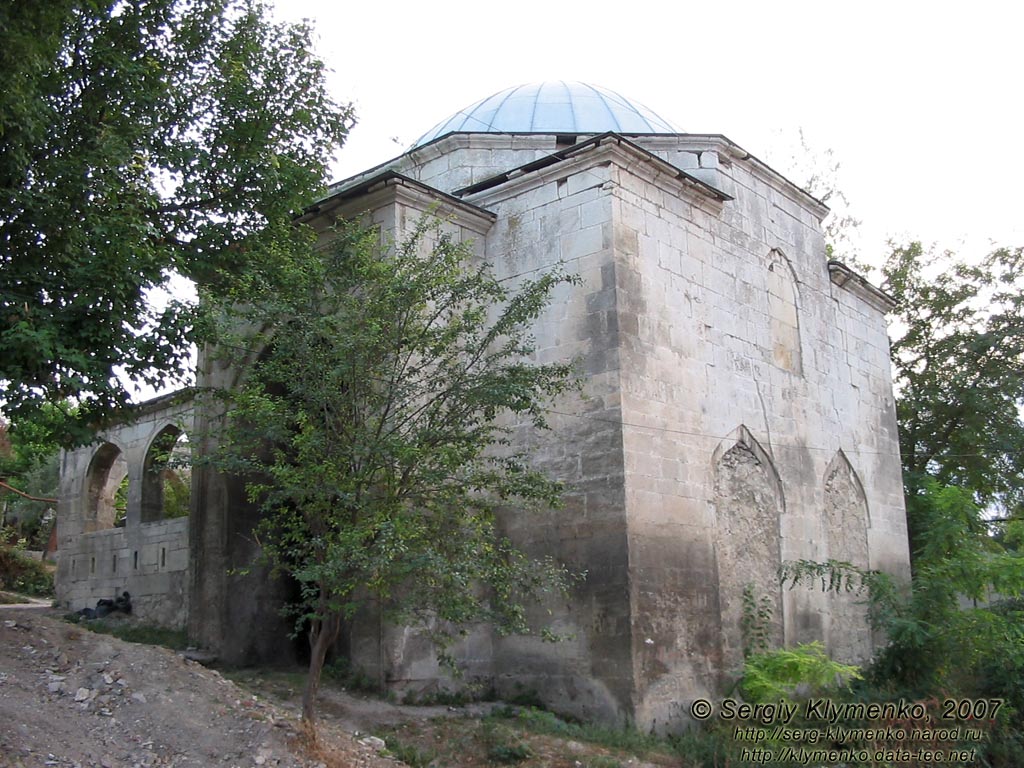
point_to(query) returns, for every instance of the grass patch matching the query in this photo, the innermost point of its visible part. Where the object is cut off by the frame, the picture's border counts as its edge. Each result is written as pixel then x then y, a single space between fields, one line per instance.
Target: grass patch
pixel 708 746
pixel 341 672
pixel 131 632
pixel 702 746
pixel 443 697
pixel 504 745
pixel 409 754
pixel 625 739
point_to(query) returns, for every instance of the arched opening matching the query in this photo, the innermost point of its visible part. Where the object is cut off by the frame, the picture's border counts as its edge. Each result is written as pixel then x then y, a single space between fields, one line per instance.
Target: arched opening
pixel 167 476
pixel 107 488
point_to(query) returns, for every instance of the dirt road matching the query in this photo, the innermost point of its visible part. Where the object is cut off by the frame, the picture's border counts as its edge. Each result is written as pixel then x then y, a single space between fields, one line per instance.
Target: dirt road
pixel 73 698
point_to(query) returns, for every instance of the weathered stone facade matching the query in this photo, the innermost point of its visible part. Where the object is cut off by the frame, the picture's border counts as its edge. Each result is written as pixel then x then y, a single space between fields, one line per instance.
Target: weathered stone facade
pixel 737 413
pixel 147 557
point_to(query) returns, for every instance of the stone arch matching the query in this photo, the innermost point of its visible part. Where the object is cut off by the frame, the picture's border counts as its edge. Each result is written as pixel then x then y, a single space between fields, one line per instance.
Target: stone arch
pixel 108 469
pixel 783 313
pixel 748 506
pixel 846 521
pixel 157 474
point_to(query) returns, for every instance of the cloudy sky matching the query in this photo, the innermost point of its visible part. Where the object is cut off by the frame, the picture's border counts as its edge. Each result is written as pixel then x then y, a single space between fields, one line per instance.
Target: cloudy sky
pixel 920 103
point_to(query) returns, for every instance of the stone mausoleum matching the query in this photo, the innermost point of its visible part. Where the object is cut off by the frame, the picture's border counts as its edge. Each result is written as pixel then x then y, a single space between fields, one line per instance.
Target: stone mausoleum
pixel 737 413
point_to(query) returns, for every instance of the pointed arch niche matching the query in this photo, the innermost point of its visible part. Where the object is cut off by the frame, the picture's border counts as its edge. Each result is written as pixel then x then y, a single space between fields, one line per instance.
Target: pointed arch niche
pixel 783 314
pixel 748 506
pixel 846 521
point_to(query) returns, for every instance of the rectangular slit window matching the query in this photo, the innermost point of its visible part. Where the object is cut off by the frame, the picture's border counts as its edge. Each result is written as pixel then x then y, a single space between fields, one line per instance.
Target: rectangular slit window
pixel 163 557
pixel 114 563
pixel 135 560
pixel 92 565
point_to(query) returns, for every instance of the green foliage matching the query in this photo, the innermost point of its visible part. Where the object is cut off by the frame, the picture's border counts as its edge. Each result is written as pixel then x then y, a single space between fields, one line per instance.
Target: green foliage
pixel 959 373
pixel 20 573
pixel 31 519
pixel 375 425
pixel 177 493
pixel 121 503
pixel 884 599
pixel 541 721
pixel 447 698
pixel 141 139
pixel 712 745
pixel 30 462
pixel 33 439
pixel 789 673
pixel 341 672
pixel 504 745
pixel 409 754
pixel 938 639
pixel 526 697
pixel 133 632
pixel 952 633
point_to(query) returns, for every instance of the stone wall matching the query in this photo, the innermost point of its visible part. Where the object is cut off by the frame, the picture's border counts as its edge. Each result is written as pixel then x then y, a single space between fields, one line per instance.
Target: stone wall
pixel 150 561
pixel 147 557
pixel 726 367
pixel 736 413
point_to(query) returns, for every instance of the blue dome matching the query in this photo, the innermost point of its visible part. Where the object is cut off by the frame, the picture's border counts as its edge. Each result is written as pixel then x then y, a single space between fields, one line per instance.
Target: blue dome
pixel 552 107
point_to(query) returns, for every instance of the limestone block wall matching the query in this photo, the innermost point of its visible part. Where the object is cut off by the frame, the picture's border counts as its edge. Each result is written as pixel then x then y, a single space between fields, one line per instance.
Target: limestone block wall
pixel 745 372
pixel 546 219
pixel 236 602
pixel 736 413
pixel 565 216
pixel 148 556
pixel 150 561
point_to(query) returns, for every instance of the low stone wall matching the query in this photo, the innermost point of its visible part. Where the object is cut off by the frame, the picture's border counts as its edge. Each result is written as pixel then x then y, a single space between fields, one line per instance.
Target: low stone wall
pixel 149 560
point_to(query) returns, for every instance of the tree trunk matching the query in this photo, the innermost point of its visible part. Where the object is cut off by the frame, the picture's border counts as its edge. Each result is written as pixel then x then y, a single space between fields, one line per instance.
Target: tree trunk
pixel 322 637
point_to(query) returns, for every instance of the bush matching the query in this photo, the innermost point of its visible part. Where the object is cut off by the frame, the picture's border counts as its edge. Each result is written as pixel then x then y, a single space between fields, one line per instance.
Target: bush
pixel 20 573
pixel 793 672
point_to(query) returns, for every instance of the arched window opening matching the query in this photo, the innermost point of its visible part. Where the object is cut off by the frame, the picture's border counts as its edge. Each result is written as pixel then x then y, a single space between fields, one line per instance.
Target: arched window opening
pixel 107 488
pixel 167 476
pixel 121 503
pixel 783 315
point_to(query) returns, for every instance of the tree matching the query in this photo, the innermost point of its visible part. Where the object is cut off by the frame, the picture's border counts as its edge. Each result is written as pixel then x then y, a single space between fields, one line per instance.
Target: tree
pixel 375 430
pixel 959 374
pixel 138 139
pixel 30 470
pixel 817 172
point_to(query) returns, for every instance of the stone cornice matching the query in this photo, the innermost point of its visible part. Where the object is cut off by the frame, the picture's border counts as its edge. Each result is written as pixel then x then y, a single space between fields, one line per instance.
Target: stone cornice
pixel 603 149
pixel 844 277
pixel 390 186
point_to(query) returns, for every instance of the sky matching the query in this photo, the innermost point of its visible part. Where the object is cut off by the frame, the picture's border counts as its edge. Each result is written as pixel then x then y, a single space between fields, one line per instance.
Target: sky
pixel 919 103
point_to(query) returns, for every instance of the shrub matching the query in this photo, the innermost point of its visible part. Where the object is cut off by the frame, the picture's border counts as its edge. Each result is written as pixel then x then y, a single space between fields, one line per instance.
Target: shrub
pixel 790 672
pixel 20 573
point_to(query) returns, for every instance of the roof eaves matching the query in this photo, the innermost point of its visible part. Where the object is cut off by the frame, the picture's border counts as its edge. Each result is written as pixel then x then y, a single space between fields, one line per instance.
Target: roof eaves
pixel 593 141
pixel 844 277
pixel 387 178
